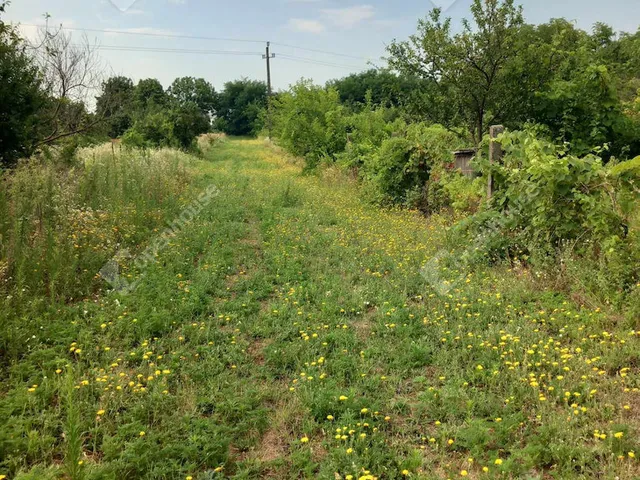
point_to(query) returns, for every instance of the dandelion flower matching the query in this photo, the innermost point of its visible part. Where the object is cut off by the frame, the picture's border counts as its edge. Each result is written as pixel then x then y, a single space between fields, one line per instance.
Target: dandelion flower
pixel 304 439
pixel 498 461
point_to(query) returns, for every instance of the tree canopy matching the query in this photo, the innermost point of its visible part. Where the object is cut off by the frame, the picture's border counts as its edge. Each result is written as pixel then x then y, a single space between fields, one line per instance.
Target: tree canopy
pixel 240 105
pixel 21 97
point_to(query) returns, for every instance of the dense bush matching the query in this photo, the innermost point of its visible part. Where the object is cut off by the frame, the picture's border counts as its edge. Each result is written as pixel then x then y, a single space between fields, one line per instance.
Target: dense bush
pixel 366 132
pixel 20 95
pixel 309 122
pixel 551 196
pixel 399 162
pixel 551 208
pixel 399 170
pixel 176 127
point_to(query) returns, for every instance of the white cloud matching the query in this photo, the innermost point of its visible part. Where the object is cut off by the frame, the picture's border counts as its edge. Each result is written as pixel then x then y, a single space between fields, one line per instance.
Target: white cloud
pixel 349 17
pixel 306 26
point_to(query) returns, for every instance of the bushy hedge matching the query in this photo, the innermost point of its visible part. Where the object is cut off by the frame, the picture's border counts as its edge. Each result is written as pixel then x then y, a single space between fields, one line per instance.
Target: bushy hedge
pixel 310 122
pixel 397 161
pixel 550 205
pixel 551 196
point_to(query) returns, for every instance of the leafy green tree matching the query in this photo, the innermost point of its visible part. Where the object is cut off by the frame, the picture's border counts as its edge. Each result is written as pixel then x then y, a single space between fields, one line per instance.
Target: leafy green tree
pixel 188 122
pixel 586 112
pixel 115 105
pixel 380 87
pixel 468 68
pixel 194 90
pixel 21 96
pixel 147 94
pixel 240 105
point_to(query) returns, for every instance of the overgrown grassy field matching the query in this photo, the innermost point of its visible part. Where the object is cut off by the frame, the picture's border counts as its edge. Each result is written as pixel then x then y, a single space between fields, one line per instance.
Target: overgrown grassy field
pixel 292 331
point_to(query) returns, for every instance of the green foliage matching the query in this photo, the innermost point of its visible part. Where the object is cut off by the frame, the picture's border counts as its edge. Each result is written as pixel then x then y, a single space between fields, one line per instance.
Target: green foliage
pixel 468 68
pixel 149 94
pixel 550 196
pixel 377 87
pixel 367 130
pixel 188 122
pixel 239 107
pixel 151 117
pixel 585 112
pixel 189 90
pixel 398 172
pixel 155 127
pixel 114 104
pixel 500 70
pixel 21 97
pixel 310 122
pixel 133 138
pixel 629 170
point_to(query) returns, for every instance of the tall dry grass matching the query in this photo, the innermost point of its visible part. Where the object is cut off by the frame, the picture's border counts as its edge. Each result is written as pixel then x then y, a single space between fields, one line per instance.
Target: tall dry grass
pixel 60 223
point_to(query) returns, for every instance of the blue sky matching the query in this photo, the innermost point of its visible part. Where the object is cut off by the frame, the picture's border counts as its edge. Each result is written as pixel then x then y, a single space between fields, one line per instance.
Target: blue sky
pixel 356 28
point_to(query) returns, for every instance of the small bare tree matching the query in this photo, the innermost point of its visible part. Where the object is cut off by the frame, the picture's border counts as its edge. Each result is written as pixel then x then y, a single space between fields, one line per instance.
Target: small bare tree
pixel 72 74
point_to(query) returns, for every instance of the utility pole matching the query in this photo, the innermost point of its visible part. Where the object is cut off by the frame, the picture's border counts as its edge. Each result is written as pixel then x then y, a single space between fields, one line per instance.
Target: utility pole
pixel 268 57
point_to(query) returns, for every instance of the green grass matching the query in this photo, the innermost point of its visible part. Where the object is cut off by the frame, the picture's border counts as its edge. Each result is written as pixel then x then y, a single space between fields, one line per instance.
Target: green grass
pixel 288 332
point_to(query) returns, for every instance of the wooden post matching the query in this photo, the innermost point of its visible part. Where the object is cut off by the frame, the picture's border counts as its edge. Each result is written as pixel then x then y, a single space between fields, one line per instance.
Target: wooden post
pixel 495 154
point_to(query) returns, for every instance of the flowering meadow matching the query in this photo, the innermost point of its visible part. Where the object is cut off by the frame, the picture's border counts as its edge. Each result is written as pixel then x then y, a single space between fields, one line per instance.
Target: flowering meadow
pixel 290 330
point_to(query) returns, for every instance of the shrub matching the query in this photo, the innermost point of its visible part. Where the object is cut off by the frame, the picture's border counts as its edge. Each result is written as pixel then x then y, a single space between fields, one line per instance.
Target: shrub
pixel 366 132
pixel 399 170
pixel 551 208
pixel 309 122
pixel 552 196
pixel 207 141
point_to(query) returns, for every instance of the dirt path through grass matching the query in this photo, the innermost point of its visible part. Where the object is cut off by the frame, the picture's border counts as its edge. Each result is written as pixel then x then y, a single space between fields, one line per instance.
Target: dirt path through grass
pixel 290 331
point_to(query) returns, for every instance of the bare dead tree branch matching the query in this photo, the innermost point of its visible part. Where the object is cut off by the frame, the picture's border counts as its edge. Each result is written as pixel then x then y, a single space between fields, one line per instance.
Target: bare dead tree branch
pixel 72 74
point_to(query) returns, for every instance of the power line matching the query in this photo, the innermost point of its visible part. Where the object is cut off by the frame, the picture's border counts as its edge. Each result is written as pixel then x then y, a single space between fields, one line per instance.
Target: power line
pixel 173 50
pixel 125 48
pixel 149 34
pixel 197 37
pixel 320 51
pixel 317 62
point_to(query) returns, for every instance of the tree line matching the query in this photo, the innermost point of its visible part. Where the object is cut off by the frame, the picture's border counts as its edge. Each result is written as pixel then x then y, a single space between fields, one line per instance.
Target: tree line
pixel 47 84
pixel 578 88
pixel 581 88
pixel 145 114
